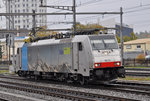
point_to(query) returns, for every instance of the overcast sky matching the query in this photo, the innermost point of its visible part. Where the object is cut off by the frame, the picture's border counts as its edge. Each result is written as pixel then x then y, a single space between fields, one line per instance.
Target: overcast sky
pixel 136 12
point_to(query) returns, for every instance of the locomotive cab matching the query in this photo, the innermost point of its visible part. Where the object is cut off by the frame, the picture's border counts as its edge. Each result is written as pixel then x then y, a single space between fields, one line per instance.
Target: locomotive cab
pixel 106 58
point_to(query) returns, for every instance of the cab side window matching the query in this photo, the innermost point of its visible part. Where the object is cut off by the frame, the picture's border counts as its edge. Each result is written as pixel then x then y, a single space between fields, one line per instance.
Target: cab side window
pixel 80 47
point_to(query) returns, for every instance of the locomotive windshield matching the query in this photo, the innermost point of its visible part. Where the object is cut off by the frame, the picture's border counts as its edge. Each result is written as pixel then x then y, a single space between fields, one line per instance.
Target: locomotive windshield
pixel 99 43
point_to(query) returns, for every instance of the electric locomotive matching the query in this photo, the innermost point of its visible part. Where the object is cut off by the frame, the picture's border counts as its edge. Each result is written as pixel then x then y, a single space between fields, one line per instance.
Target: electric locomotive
pixel 83 58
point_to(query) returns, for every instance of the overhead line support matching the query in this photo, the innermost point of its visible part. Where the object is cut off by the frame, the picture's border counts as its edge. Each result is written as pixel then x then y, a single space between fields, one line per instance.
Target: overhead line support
pixel 79 13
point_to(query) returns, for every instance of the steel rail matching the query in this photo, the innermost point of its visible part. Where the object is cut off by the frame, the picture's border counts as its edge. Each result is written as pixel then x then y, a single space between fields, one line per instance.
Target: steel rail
pixel 133 83
pixel 137 74
pixel 138 69
pixel 2 99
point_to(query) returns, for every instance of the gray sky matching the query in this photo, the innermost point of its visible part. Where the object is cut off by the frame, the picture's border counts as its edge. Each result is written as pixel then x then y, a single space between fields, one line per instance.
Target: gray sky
pixel 136 12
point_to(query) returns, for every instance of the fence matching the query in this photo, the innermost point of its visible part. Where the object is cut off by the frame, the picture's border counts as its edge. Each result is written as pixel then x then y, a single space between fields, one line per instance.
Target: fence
pixel 136 63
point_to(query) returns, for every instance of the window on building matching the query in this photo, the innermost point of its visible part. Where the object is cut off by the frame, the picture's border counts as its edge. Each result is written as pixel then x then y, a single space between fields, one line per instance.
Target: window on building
pixel 128 46
pixel 138 46
pixel 27 20
pixel 27 26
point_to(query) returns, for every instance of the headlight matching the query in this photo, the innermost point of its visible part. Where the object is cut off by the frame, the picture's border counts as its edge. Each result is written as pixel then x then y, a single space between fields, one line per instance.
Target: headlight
pixel 97 65
pixel 106 53
pixel 117 63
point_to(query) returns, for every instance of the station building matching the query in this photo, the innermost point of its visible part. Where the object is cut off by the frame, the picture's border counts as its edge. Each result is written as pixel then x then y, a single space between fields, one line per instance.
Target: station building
pixel 135 47
pixel 5 49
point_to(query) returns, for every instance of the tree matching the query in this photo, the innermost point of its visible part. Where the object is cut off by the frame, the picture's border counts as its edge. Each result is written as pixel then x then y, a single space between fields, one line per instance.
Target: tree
pixel 82 27
pixel 39 32
pixel 140 58
pixel 118 38
pixel 127 38
pixel 133 36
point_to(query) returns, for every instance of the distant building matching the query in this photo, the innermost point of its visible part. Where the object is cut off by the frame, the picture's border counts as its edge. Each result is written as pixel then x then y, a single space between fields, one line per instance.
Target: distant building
pixel 126 30
pixel 26 6
pixel 5 50
pixel 135 47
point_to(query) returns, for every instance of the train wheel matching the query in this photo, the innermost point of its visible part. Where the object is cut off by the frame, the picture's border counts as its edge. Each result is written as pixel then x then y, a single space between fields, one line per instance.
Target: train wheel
pixel 82 80
pixel 19 74
pixel 36 77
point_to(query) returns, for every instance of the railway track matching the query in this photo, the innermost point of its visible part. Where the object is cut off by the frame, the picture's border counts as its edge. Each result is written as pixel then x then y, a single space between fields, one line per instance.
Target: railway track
pixel 4 67
pixel 12 77
pixel 133 83
pixel 129 89
pixel 2 99
pixel 62 93
pixel 120 86
pixel 137 72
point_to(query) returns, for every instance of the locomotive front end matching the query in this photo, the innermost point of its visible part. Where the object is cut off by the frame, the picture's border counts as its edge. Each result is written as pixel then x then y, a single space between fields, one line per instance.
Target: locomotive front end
pixel 106 58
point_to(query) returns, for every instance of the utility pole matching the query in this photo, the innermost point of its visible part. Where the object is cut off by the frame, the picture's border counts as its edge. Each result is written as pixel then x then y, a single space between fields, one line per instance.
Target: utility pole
pixel 121 36
pixel 9 38
pixel 13 46
pixel 9 12
pixel 34 22
pixel 74 16
pixel 69 8
pixel 9 29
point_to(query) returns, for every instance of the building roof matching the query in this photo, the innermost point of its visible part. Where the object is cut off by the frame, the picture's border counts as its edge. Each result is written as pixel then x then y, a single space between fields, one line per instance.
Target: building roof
pixel 138 41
